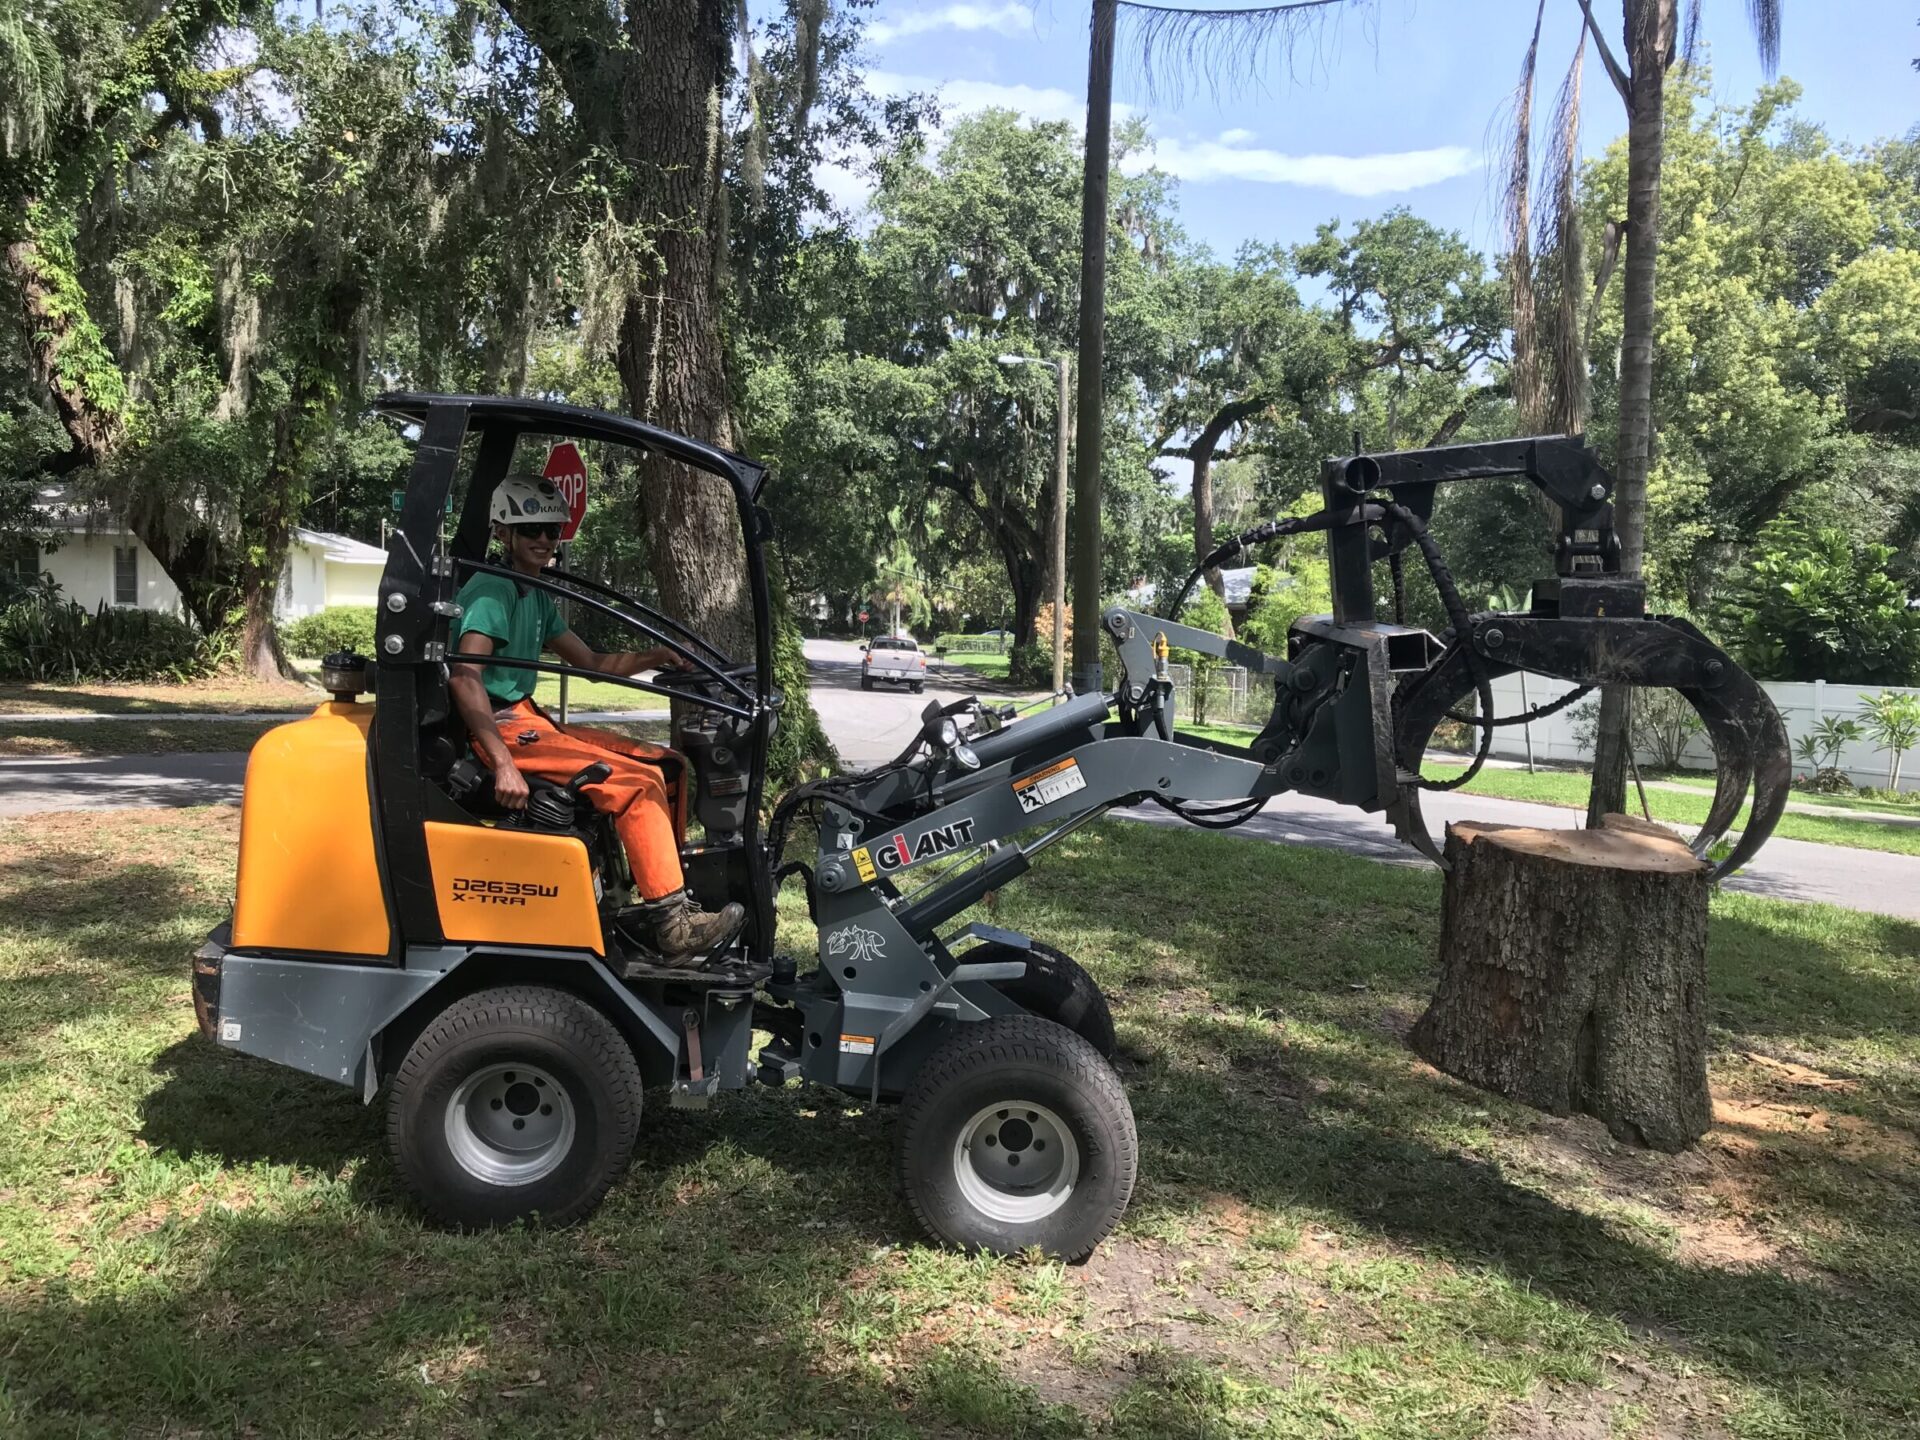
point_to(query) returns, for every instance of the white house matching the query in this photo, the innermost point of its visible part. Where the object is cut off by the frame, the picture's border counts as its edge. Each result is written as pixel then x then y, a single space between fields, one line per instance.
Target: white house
pixel 99 561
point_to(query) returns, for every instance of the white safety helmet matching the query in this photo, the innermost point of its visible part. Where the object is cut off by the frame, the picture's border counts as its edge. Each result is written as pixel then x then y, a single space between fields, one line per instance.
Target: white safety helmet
pixel 528 500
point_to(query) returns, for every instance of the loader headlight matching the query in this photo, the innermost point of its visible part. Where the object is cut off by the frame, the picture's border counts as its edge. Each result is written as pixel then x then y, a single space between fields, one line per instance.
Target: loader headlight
pixel 964 754
pixel 949 733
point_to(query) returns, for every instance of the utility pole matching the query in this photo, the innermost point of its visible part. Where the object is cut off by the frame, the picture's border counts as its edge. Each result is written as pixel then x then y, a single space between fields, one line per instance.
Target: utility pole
pixel 1057 522
pixel 1093 321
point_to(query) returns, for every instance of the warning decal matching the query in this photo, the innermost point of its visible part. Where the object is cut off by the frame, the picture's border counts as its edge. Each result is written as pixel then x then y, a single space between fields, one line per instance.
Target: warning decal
pixel 863 862
pixel 1043 787
pixel 856 1044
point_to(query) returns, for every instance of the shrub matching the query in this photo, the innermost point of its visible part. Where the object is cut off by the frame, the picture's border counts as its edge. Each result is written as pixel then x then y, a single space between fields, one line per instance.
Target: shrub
pixel 1663 722
pixel 43 637
pixel 1030 664
pixel 1814 606
pixel 338 627
pixel 1893 718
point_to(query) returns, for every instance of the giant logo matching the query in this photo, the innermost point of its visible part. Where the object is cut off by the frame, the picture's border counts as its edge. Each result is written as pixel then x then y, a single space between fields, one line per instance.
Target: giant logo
pixel 893 853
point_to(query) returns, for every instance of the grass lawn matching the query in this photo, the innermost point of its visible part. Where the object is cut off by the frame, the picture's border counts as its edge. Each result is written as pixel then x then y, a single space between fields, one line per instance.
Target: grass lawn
pixel 986 663
pixel 132 737
pixel 1328 1236
pixel 1884 801
pixel 596 695
pixel 223 693
pixel 1569 788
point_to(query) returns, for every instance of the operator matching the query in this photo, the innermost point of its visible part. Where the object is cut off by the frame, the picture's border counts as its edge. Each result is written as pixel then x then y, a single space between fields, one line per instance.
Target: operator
pixel 516 738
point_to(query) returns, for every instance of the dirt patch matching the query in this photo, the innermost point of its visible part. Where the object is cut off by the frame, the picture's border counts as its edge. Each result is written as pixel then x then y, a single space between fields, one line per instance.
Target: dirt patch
pixel 1710 1197
pixel 1631 1398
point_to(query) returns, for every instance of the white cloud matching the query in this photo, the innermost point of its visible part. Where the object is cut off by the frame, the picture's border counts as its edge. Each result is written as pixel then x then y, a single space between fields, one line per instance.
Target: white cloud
pixel 1201 161
pixel 969 97
pixel 1236 137
pixel 1006 19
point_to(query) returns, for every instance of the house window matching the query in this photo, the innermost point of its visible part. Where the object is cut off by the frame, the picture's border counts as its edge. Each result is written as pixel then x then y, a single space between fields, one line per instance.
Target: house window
pixel 126 575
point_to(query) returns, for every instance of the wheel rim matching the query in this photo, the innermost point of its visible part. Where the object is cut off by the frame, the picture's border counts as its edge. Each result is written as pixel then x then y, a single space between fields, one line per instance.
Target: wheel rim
pixel 510 1124
pixel 1016 1162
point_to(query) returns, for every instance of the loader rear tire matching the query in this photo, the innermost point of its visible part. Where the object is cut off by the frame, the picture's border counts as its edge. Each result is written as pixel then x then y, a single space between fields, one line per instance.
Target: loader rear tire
pixel 1016 1134
pixel 516 1102
pixel 1055 988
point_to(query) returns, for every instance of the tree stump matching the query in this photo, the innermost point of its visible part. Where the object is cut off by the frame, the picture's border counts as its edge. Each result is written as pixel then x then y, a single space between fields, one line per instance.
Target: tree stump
pixel 1574 975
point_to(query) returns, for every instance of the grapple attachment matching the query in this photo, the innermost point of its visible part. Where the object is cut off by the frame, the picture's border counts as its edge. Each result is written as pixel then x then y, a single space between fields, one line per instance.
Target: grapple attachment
pixel 1651 651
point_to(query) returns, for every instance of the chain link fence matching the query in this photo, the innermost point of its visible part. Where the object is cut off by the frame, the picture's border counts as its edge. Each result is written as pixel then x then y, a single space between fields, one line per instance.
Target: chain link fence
pixel 1230 697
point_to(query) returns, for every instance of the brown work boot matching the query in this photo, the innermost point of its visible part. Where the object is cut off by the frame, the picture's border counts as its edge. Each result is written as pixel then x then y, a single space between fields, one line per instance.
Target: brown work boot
pixel 681 932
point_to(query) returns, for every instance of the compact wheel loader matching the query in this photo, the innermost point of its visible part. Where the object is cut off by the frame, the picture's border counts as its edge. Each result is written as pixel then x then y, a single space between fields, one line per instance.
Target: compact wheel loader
pixel 393 928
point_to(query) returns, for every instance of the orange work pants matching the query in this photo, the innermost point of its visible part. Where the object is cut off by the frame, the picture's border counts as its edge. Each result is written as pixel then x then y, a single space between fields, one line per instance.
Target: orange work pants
pixel 645 794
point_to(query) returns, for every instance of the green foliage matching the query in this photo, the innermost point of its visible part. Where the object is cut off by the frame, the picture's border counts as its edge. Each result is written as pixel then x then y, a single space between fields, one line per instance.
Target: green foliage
pixel 1893 718
pixel 1785 337
pixel 1820 748
pixel 1030 664
pixel 1205 611
pixel 1279 597
pixel 1816 606
pixel 338 627
pixel 43 637
pixel 800 747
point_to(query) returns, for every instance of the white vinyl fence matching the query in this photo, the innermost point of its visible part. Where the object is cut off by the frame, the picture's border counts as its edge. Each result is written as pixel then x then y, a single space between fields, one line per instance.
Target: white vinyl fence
pixel 1233 701
pixel 1802 705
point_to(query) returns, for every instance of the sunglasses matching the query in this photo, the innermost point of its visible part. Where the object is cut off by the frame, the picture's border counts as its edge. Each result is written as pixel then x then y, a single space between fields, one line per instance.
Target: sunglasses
pixel 543 532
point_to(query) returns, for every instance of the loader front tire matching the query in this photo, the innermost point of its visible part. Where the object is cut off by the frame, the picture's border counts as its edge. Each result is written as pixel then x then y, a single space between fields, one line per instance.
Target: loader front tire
pixel 516 1102
pixel 1017 1134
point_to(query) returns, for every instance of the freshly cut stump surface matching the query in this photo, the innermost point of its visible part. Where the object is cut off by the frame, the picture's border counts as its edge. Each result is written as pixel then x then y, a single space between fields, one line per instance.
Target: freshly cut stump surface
pixel 1573 975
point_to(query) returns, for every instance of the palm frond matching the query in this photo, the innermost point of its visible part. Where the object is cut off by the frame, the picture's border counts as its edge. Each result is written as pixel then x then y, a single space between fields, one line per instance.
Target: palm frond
pixel 1226 52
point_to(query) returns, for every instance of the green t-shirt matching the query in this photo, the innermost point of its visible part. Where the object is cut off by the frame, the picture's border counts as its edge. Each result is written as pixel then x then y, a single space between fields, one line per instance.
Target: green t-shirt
pixel 520 621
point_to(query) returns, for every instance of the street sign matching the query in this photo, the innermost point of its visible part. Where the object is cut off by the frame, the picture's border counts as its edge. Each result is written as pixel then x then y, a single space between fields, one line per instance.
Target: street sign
pixel 400 497
pixel 863 617
pixel 567 469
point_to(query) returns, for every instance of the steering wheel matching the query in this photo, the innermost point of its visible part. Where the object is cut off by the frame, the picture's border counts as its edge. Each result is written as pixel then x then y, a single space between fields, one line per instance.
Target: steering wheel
pixel 688 679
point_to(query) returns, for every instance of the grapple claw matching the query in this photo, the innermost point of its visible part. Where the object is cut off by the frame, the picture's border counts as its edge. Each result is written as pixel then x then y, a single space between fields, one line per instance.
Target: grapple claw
pixel 1749 741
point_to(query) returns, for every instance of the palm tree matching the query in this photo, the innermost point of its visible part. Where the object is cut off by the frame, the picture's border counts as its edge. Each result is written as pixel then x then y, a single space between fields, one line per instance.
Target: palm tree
pixel 1651 34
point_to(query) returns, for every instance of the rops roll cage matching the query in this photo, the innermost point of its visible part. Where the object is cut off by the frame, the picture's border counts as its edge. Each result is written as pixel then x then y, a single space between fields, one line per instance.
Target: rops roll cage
pixel 417 605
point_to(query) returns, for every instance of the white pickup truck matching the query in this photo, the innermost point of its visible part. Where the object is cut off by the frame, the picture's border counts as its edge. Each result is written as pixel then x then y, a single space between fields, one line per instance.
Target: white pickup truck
pixel 894 658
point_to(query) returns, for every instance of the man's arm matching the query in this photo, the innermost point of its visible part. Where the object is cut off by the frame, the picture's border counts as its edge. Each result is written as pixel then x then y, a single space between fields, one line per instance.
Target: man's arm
pixel 476 708
pixel 575 651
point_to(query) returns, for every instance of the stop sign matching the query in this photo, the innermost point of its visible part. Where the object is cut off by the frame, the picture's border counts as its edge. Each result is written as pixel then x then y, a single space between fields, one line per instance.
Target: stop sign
pixel 567 469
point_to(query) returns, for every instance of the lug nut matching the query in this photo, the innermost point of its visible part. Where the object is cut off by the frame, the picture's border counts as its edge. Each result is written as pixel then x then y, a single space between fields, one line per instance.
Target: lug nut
pixel 1493 637
pixel 1598 492
pixel 393 645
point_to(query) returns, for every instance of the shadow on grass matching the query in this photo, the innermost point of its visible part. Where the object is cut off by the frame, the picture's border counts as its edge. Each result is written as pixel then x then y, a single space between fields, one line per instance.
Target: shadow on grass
pixel 1353 1150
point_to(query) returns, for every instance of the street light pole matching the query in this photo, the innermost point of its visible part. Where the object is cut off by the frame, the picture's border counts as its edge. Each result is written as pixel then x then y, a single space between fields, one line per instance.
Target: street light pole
pixel 1057 537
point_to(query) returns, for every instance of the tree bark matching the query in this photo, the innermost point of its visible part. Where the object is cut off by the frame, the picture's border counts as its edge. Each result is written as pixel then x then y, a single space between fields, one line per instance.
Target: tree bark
pixel 1574 975
pixel 1650 28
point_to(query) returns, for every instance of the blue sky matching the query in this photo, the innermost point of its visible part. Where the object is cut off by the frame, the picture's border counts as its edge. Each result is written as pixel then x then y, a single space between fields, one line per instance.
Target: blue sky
pixel 1394 106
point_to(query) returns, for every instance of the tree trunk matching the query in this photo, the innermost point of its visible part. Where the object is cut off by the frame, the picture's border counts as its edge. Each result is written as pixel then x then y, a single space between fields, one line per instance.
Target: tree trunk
pixel 670 354
pixel 1574 975
pixel 264 558
pixel 1650 42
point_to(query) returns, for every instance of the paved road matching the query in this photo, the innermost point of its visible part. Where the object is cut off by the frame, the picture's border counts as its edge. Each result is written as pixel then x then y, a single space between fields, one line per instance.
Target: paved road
pixel 873 726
